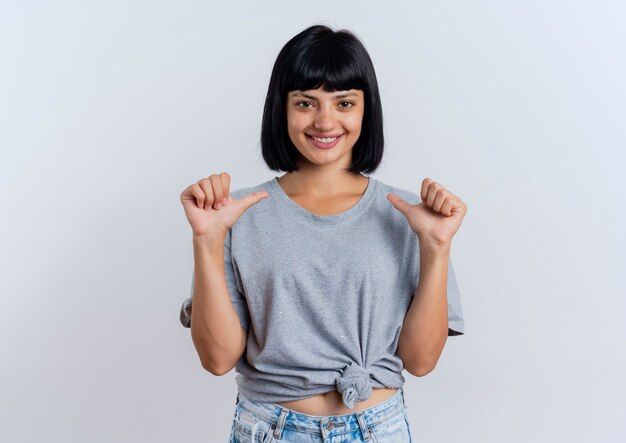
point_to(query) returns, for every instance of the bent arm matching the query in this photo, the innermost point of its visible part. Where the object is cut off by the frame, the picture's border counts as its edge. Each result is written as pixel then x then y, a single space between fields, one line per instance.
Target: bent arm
pixel 217 334
pixel 425 329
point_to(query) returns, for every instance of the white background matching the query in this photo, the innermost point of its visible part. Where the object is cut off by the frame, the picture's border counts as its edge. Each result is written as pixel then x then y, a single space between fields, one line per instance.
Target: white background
pixel 109 109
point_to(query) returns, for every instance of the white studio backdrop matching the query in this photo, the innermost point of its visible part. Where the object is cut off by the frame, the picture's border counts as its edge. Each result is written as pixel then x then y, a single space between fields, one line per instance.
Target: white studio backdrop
pixel 108 110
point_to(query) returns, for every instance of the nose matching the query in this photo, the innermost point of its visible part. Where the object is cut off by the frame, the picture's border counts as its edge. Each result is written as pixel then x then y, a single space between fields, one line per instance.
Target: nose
pixel 325 119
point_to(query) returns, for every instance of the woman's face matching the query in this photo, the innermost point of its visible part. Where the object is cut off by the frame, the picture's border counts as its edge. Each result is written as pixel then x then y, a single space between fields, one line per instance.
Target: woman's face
pixel 335 117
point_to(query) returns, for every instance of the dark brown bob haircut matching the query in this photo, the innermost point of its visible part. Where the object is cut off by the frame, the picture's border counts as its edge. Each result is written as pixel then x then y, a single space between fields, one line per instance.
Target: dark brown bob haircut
pixel 336 61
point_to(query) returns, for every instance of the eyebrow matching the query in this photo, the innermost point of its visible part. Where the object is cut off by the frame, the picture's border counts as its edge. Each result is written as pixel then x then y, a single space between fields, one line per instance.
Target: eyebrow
pixel 348 94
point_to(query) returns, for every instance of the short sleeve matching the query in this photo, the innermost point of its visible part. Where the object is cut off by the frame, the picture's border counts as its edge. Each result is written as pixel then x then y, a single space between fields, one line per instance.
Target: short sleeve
pixel 236 297
pixel 456 324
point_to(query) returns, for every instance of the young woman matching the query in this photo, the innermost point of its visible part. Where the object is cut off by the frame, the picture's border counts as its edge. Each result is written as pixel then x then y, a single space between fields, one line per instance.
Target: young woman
pixel 320 286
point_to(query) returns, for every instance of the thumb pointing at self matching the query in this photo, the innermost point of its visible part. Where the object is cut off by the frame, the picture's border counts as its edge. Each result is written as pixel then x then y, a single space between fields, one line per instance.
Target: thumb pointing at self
pixel 252 199
pixel 399 203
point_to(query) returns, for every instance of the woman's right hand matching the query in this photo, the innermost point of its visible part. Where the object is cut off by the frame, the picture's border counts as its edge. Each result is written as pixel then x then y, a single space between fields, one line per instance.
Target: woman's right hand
pixel 211 210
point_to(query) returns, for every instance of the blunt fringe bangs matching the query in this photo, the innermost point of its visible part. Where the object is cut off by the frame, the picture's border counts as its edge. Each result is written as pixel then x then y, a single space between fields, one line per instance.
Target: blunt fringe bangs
pixel 334 60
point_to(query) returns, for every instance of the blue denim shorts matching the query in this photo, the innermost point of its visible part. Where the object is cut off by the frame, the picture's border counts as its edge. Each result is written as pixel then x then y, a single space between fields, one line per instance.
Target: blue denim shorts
pixel 257 422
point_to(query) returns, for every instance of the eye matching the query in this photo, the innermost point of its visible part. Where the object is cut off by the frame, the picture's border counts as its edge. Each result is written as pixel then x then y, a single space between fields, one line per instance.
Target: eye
pixel 301 103
pixel 349 103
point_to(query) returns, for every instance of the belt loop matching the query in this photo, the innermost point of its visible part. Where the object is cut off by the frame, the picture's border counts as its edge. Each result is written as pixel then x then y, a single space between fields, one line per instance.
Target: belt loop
pixel 364 429
pixel 278 427
pixel 253 434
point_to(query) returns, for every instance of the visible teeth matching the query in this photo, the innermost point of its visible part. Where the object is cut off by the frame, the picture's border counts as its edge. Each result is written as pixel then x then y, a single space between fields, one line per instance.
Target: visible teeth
pixel 325 140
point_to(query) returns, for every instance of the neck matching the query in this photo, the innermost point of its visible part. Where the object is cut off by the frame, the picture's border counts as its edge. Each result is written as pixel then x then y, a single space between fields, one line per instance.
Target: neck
pixel 322 183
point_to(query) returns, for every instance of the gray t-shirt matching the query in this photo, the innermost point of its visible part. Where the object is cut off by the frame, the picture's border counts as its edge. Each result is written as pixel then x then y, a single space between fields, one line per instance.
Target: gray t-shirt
pixel 323 297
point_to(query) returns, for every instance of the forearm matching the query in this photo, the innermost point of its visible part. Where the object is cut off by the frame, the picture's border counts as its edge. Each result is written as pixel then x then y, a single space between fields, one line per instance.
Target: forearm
pixel 215 327
pixel 425 329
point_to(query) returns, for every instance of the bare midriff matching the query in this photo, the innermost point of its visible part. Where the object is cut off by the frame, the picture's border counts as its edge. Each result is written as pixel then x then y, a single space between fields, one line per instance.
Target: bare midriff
pixel 330 403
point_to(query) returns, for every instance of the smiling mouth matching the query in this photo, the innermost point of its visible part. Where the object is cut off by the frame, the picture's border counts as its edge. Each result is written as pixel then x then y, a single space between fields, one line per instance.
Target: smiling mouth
pixel 324 139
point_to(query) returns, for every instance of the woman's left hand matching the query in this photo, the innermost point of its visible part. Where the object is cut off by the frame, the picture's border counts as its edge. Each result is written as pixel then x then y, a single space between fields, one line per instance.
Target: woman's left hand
pixel 437 218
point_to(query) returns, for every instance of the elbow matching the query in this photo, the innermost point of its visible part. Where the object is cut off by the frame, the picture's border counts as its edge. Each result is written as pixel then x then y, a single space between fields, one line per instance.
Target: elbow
pixel 422 366
pixel 221 372
pixel 426 364
pixel 418 369
pixel 421 371
pixel 216 370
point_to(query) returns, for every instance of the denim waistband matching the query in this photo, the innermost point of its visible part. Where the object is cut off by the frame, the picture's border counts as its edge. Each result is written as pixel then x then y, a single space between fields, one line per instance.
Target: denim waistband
pixel 314 424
